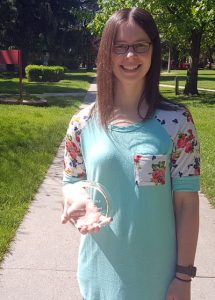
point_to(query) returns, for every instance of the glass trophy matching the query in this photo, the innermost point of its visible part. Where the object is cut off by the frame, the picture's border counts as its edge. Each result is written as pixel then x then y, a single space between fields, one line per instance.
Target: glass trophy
pixel 96 210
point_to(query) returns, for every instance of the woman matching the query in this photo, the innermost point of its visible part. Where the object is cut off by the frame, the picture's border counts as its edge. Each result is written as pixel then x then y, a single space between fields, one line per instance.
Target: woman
pixel 145 151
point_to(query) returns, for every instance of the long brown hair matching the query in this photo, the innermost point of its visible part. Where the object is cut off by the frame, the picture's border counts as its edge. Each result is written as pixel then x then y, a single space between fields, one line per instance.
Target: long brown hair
pixel 105 102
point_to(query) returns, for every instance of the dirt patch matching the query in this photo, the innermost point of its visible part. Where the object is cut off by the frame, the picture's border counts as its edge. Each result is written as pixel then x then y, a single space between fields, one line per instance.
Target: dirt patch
pixel 13 101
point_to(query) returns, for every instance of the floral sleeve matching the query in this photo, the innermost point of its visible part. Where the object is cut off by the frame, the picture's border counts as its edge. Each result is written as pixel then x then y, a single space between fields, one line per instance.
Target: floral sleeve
pixel 185 159
pixel 74 168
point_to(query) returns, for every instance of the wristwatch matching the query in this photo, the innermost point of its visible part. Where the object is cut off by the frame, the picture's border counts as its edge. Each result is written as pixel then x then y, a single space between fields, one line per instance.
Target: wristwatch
pixel 189 270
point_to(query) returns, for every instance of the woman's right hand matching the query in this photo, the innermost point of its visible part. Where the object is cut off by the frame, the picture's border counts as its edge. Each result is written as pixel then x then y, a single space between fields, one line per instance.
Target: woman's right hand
pixel 82 211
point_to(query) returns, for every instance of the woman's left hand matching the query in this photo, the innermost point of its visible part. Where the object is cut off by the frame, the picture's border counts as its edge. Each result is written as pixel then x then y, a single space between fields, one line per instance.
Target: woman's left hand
pixel 179 290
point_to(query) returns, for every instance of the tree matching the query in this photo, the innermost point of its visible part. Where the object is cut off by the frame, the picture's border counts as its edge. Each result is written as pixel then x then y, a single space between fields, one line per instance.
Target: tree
pixel 192 19
pixel 208 48
pixel 52 26
pixel 188 19
pixel 6 13
pixel 85 13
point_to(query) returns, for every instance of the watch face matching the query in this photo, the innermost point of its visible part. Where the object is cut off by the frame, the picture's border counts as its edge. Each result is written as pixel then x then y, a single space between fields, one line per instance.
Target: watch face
pixel 189 270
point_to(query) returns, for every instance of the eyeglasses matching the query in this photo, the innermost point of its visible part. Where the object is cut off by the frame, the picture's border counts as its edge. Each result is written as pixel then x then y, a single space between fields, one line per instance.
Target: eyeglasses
pixel 141 47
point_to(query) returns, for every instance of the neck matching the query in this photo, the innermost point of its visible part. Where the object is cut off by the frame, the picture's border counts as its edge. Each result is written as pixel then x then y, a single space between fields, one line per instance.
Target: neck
pixel 126 99
pixel 127 95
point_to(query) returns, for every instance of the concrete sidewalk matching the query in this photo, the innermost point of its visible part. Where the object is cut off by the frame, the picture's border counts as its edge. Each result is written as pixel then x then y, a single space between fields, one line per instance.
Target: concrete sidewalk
pixel 42 261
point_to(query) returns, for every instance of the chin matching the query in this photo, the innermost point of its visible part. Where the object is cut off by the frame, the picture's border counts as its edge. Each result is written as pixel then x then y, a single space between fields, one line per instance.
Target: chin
pixel 131 79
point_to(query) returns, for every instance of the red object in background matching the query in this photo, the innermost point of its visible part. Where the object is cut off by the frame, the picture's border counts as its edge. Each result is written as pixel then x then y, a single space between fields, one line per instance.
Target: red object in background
pixel 9 57
pixel 13 57
pixel 184 66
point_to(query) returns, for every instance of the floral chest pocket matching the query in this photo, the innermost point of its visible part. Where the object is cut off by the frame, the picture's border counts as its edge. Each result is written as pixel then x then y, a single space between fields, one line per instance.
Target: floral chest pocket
pixel 150 170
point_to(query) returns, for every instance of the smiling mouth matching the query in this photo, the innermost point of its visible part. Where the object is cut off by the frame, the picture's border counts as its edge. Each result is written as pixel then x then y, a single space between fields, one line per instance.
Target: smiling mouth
pixel 133 68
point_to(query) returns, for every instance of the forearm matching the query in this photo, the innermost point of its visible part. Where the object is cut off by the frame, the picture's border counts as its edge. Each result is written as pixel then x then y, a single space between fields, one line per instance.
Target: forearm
pixel 187 226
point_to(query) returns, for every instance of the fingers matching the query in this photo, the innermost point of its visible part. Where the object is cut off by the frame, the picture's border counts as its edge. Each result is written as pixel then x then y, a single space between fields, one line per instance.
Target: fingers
pixel 104 220
pixel 73 211
pixel 95 227
pixel 64 218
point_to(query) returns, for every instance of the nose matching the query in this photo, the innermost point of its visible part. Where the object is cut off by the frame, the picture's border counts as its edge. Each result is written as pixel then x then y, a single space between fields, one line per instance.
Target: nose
pixel 130 52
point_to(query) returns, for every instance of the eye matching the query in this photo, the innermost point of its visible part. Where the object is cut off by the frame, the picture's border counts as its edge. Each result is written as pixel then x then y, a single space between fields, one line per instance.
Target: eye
pixel 141 47
pixel 120 48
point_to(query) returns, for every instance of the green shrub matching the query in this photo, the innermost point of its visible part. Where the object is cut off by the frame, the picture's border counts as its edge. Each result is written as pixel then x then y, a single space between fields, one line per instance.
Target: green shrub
pixel 33 72
pixel 44 73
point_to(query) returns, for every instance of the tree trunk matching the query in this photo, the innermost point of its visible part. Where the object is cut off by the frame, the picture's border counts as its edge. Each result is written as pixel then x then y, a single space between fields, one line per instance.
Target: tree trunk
pixel 192 72
pixel 169 61
pixel 175 57
pixel 210 54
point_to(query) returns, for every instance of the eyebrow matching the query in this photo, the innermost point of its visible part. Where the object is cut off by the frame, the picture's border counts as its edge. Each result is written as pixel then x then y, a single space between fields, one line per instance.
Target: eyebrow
pixel 135 42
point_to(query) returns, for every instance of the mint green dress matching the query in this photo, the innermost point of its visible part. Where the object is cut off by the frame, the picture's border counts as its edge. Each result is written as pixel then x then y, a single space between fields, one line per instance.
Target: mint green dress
pixel 140 166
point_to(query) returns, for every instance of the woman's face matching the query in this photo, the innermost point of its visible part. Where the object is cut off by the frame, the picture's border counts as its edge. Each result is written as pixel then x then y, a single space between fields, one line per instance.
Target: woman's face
pixel 131 66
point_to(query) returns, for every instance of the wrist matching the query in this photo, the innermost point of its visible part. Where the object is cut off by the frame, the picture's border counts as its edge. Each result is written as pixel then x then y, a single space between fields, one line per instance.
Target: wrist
pixel 183 280
pixel 186 272
pixel 182 276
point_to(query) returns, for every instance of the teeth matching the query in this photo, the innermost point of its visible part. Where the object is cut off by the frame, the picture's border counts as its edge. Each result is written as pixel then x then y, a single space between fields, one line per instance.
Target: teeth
pixel 130 68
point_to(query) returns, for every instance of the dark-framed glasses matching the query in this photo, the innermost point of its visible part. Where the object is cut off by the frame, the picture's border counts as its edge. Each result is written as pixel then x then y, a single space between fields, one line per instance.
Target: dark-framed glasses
pixel 141 47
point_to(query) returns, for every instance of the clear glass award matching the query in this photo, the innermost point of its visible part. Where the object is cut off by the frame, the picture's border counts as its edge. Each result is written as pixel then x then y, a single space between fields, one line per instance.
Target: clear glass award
pixel 96 210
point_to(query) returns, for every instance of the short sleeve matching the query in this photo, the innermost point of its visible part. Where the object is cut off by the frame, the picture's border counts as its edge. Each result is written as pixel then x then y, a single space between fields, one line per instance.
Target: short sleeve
pixel 74 168
pixel 185 158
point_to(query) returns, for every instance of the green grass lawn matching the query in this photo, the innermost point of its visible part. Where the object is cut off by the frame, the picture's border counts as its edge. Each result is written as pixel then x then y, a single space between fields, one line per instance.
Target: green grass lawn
pixel 206 78
pixel 73 82
pixel 203 111
pixel 30 137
